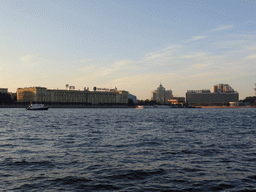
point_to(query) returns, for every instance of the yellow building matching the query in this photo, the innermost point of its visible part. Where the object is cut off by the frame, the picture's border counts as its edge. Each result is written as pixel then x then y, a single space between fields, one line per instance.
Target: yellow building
pixel 177 100
pixel 27 94
pixel 42 94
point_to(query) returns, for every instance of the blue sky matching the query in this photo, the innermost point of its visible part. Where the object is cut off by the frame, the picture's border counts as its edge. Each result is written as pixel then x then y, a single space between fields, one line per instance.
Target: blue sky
pixel 132 45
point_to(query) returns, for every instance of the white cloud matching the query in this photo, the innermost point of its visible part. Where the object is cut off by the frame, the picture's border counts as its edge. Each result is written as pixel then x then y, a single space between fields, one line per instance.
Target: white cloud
pixel 224 27
pixel 200 66
pixel 230 44
pixel 236 76
pixel 86 60
pixel 167 52
pixel 251 56
pixel 27 58
pixel 251 48
pixel 194 55
pixel 88 68
pixel 1 66
pixel 158 55
pixel 196 38
pixel 158 59
pixel 122 63
pixel 100 72
pixel 178 66
pixel 106 72
pixel 248 48
pixel 139 84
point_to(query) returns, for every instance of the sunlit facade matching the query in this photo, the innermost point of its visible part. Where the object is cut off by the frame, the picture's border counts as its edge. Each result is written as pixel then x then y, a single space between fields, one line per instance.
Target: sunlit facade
pixel 42 94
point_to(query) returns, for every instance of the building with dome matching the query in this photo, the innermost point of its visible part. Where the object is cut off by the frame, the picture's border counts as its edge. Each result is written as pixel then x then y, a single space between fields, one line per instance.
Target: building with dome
pixel 161 95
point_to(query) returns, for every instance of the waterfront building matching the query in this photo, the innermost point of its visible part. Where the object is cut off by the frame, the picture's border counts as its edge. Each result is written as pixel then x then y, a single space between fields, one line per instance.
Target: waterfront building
pixel 221 94
pixel 3 90
pixel 177 100
pixel 42 94
pixel 235 104
pixel 161 95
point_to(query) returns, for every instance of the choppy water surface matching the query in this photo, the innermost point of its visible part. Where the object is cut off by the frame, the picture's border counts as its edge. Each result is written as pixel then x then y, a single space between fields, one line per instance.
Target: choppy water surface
pixel 128 150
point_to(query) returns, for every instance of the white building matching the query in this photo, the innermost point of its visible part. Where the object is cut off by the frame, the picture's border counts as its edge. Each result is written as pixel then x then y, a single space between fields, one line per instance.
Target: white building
pixel 161 95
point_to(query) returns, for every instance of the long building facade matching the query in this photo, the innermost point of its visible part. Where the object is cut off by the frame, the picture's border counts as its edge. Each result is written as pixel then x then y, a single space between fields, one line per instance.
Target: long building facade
pixel 42 94
pixel 221 94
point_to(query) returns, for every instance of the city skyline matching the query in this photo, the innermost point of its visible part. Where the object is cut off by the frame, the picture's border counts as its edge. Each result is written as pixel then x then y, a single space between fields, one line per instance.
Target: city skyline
pixel 131 45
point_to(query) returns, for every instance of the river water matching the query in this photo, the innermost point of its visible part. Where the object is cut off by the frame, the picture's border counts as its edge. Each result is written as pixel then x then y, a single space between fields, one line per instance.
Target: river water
pixel 128 150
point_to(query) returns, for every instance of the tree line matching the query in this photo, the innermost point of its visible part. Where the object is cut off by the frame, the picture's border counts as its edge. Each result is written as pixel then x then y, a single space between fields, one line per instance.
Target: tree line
pixel 251 100
pixel 6 99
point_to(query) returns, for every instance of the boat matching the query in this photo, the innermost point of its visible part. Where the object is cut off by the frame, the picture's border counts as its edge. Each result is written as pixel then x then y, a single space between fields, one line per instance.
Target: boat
pixel 37 107
pixel 140 107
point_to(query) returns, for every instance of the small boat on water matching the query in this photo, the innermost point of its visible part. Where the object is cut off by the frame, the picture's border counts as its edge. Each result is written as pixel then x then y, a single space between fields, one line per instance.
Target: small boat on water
pixel 140 107
pixel 37 107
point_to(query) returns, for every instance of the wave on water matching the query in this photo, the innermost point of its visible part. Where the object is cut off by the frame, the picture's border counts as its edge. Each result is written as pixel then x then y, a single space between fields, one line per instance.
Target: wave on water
pixel 128 150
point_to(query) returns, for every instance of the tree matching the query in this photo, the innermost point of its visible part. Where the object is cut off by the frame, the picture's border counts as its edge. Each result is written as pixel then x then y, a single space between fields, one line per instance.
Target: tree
pixel 152 102
pixel 146 101
pixel 252 100
pixel 5 98
pixel 130 102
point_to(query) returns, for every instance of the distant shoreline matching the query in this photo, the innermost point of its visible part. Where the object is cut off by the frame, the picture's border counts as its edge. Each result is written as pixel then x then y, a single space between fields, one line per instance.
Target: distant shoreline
pixel 68 106
pixel 225 107
pixel 121 106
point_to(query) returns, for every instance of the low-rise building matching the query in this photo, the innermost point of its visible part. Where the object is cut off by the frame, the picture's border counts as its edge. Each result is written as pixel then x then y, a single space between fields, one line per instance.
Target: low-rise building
pixel 177 100
pixel 235 104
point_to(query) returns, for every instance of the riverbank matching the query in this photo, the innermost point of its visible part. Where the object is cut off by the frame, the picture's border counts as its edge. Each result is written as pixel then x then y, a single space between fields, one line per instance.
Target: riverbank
pixel 226 107
pixel 116 106
pixel 71 106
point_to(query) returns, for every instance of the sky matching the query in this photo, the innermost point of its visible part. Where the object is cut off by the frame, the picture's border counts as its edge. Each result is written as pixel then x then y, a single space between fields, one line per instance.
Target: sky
pixel 132 45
